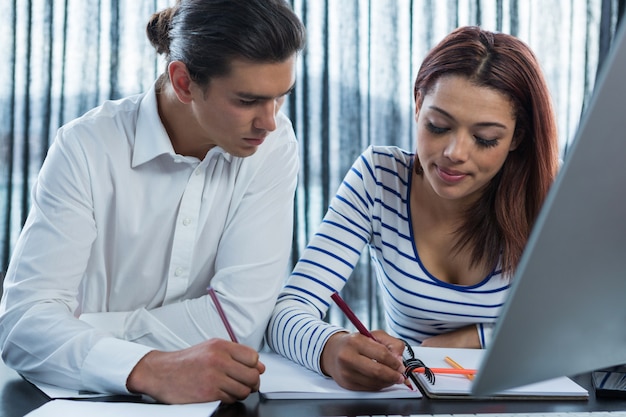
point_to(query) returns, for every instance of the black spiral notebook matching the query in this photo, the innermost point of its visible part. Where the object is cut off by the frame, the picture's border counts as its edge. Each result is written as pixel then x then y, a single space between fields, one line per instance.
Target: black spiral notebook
pixel 284 379
pixel 459 386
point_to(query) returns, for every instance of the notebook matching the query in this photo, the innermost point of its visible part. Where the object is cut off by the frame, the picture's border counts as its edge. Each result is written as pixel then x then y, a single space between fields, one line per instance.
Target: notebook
pixel 284 379
pixel 566 310
pixel 460 386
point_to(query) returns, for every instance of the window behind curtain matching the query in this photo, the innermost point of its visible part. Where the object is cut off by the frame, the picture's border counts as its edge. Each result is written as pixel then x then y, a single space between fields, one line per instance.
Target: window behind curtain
pixel 354 86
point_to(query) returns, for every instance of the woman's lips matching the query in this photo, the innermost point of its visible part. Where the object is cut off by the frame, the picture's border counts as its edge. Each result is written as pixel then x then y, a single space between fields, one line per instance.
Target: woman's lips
pixel 450 175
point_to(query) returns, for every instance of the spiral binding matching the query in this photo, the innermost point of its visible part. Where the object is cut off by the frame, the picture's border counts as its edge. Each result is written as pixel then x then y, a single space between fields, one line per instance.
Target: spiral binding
pixel 412 363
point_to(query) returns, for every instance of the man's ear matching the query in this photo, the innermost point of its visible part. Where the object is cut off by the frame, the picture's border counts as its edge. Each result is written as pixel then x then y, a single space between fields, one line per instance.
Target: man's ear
pixel 180 80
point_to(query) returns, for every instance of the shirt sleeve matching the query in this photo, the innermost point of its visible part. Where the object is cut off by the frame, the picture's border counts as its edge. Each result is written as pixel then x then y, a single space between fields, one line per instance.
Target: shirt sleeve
pixel 40 335
pixel 297 329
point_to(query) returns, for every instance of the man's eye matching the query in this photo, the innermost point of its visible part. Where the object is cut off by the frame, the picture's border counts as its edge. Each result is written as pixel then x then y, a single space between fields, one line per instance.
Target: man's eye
pixel 247 102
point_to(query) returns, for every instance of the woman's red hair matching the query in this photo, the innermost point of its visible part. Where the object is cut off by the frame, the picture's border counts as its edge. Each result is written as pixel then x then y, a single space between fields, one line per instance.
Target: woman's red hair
pixel 499 224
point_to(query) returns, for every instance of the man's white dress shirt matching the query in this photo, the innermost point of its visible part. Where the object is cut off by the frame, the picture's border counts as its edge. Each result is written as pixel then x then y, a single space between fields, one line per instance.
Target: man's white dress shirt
pixel 124 237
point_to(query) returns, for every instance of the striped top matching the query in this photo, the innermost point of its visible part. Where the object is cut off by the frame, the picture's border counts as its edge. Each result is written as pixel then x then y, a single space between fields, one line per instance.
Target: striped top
pixel 372 208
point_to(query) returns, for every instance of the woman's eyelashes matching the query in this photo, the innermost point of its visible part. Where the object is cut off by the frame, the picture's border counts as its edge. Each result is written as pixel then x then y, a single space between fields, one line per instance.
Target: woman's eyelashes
pixel 432 128
pixel 486 143
pixel 480 141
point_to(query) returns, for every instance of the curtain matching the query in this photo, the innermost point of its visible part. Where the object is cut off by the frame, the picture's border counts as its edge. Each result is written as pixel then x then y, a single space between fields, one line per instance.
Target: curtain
pixel 354 86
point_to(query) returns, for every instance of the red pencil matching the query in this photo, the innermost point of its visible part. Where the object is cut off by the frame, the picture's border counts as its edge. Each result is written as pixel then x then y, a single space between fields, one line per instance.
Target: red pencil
pixel 357 323
pixel 447 371
pixel 351 316
pixel 220 311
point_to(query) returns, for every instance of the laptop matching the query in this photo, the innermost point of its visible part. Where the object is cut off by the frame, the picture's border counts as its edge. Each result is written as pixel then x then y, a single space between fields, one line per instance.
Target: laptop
pixel 566 311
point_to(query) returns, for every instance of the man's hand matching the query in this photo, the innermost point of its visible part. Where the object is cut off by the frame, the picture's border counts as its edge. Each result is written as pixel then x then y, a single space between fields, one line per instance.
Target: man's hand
pixel 215 370
pixel 359 363
pixel 465 337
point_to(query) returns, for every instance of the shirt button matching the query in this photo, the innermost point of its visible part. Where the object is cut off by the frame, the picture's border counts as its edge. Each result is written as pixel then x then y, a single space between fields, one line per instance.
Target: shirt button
pixel 187 221
pixel 178 272
pixel 198 172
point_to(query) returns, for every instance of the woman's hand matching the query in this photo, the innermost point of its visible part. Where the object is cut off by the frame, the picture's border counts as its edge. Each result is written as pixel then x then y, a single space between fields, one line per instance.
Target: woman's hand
pixel 359 363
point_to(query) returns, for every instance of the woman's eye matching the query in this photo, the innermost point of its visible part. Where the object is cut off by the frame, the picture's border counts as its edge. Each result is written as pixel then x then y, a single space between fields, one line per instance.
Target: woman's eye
pixel 435 129
pixel 480 141
pixel 486 143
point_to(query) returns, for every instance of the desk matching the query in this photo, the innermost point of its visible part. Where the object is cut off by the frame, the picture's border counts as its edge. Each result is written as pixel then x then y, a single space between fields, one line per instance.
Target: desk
pixel 18 397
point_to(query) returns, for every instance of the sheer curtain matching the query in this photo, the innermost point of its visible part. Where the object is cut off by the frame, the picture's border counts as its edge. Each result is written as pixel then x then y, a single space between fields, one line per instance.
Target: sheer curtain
pixel 354 87
pixel 356 78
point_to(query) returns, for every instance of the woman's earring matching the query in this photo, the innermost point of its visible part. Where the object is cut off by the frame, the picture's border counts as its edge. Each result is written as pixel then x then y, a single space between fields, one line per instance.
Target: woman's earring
pixel 418 167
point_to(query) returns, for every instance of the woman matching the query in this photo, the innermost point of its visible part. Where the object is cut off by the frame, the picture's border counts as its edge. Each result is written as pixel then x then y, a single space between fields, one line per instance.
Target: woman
pixel 446 226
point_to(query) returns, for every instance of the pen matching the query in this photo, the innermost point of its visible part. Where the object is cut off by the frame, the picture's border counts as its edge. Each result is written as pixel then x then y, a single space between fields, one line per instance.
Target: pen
pixel 455 365
pixel 357 323
pixel 220 311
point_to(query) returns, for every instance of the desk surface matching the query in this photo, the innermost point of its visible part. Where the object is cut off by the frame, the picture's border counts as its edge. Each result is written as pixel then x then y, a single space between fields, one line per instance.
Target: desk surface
pixel 18 397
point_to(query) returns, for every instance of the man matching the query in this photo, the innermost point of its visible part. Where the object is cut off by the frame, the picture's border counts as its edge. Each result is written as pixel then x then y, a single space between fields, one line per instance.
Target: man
pixel 145 202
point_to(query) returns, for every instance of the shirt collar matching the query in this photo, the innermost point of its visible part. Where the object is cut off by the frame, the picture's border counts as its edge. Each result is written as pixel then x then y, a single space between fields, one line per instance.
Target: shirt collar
pixel 151 138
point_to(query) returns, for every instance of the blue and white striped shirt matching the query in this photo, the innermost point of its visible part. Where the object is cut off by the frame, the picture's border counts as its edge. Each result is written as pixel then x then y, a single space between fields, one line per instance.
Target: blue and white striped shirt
pixel 372 208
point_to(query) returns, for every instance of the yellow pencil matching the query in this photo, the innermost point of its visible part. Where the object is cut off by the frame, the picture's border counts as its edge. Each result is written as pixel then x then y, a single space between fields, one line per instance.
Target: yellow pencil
pixel 455 365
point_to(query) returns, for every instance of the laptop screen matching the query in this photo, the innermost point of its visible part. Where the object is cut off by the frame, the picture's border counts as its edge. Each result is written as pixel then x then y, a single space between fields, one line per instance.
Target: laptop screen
pixel 566 311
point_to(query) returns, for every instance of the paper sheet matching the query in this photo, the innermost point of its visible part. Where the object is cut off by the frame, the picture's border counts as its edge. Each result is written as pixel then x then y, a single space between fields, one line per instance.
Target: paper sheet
pixel 72 408
pixel 54 392
pixel 284 379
